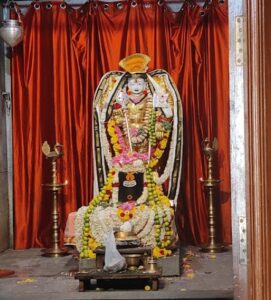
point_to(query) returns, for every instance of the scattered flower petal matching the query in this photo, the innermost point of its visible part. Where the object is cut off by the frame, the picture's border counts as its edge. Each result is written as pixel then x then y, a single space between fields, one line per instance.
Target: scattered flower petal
pixel 28 280
pixel 190 275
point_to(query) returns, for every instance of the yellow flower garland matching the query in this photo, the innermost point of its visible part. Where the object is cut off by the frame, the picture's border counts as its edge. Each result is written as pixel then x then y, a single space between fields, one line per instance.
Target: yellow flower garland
pixel 159 150
pixel 113 135
pixel 160 252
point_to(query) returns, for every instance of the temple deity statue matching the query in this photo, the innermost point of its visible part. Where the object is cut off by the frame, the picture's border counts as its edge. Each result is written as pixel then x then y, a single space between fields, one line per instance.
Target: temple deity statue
pixel 137 121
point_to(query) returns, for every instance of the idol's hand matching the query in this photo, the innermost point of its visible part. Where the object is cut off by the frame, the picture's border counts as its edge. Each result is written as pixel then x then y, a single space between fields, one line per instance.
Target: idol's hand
pixel 122 98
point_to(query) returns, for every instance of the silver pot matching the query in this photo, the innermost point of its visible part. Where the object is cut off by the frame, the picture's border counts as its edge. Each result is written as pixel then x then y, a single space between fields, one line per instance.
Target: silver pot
pixel 11 31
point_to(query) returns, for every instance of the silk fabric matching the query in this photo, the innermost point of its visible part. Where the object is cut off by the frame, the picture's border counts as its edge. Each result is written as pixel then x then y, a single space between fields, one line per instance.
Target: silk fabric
pixel 55 71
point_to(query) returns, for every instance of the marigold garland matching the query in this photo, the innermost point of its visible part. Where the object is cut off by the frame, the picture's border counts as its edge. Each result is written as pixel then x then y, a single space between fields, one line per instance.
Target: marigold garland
pixel 159 151
pixel 160 252
pixel 114 137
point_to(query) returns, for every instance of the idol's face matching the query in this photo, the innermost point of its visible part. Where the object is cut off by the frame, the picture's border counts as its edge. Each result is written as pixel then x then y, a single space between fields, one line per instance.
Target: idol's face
pixel 136 85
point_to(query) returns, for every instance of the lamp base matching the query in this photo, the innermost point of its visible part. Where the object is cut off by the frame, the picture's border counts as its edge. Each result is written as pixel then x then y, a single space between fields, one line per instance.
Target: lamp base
pixel 213 248
pixel 55 252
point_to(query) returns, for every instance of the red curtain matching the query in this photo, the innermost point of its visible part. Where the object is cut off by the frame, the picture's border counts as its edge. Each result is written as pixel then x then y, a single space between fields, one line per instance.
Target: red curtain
pixel 55 71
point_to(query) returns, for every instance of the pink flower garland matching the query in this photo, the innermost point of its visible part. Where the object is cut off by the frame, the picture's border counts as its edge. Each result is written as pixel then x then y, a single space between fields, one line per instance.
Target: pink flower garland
pixel 121 141
pixel 125 157
pixel 126 206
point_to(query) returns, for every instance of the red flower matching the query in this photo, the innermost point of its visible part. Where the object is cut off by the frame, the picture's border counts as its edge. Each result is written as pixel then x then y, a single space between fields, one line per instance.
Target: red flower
pixel 122 214
pixel 117 105
pixel 160 119
pixel 145 92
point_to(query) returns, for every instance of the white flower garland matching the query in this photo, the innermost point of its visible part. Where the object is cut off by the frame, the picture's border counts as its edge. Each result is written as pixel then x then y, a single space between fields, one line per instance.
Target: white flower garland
pixel 169 166
pixel 115 188
pixel 162 233
pixel 168 213
pixel 148 226
pixel 149 240
pixel 105 146
pixel 101 221
pixel 144 196
pixel 160 214
pixel 140 219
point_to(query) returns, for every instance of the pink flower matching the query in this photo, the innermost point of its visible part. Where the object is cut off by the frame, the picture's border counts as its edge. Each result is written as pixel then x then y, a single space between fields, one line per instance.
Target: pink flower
pixel 126 206
pixel 133 131
pixel 120 139
pixel 125 158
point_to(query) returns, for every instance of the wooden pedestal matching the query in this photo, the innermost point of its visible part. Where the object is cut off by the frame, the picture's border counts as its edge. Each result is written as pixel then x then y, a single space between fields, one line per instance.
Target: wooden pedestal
pixel 85 278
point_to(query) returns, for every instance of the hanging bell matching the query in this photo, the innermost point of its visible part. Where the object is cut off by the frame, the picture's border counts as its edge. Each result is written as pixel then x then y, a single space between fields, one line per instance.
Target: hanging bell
pixel 11 32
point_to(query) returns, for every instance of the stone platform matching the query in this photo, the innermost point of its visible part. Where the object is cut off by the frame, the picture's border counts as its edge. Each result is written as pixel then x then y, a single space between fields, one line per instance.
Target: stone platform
pixel 204 276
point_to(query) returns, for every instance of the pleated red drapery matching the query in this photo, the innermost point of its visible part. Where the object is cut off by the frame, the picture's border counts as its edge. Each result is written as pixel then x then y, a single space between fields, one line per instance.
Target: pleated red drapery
pixel 55 71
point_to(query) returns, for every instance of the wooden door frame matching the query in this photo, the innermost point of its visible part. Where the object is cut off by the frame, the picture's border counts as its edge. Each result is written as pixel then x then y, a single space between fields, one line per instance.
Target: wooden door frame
pixel 250 93
pixel 258 147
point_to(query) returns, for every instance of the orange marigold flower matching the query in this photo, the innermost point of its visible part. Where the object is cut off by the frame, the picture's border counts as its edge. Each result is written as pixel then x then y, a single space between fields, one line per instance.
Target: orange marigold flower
pixel 163 144
pixel 114 139
pixel 153 162
pixel 158 153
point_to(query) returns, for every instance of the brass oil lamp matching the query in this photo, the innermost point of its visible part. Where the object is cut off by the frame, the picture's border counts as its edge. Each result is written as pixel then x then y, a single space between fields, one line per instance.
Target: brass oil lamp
pixel 55 187
pixel 210 184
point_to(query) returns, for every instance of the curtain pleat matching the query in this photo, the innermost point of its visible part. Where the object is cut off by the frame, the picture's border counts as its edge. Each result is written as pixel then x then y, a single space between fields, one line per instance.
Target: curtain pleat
pixel 55 72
